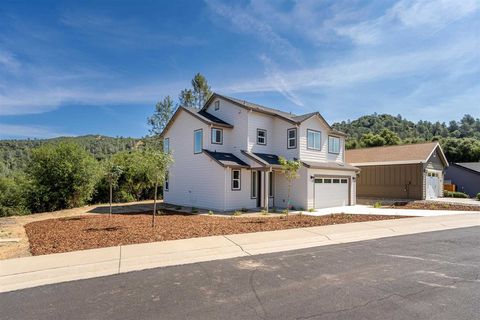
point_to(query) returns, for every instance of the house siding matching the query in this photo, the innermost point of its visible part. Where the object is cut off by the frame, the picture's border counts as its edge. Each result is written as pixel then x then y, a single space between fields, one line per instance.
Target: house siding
pixel 202 185
pixel 306 154
pixel 466 180
pixel 391 181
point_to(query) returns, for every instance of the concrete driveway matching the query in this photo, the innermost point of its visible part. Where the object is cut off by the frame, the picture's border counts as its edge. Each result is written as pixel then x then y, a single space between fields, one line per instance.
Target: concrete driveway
pixel 423 276
pixel 364 209
pixel 470 202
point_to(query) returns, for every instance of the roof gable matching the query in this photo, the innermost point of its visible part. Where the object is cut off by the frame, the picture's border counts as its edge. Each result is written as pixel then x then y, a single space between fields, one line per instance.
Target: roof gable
pixel 201 115
pixel 401 154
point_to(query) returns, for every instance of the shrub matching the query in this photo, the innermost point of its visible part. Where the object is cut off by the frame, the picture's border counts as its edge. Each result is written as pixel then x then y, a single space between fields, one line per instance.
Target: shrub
pixel 237 213
pixel 377 204
pixel 64 176
pixel 194 210
pixel 265 213
pixel 478 196
pixel 311 210
pixel 210 212
pixel 285 212
pixel 274 210
pixel 455 194
pixel 13 193
pixel 244 209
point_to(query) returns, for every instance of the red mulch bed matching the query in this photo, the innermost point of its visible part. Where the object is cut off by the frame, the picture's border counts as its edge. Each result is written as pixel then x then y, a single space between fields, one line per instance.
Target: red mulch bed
pixel 437 206
pixel 87 232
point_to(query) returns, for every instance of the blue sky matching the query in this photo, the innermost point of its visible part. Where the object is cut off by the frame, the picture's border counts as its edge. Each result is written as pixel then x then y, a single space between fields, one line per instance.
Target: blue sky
pixel 98 67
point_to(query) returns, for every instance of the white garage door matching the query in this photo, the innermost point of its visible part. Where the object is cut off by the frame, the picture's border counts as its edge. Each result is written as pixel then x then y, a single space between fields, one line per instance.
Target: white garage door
pixel 432 185
pixel 331 192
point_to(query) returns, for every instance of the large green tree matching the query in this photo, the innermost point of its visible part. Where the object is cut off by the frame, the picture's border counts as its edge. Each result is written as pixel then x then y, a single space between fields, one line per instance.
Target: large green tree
pixel 63 176
pixel 164 111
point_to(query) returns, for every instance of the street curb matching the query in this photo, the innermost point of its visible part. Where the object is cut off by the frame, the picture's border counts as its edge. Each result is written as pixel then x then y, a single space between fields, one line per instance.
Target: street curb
pixel 21 273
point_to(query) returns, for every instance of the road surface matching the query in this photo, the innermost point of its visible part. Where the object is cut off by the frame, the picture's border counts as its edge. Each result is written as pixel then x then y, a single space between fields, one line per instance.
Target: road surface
pixel 432 275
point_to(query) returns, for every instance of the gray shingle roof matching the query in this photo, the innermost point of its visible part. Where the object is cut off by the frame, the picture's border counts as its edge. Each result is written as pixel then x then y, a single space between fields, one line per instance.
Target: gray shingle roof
pixel 207 117
pixel 474 166
pixel 297 119
pixel 226 159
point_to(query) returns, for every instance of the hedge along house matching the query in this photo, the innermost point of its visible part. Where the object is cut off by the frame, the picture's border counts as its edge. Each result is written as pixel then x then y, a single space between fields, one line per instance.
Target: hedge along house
pixel 413 171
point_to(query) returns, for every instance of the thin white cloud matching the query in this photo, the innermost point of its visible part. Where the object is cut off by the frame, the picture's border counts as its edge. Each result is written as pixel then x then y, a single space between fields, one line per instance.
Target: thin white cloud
pixel 419 15
pixel 242 20
pixel 11 131
pixel 34 100
pixel 8 61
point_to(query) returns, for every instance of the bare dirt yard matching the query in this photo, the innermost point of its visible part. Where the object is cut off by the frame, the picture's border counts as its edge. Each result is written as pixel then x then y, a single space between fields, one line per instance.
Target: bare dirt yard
pixel 14 241
pixel 88 232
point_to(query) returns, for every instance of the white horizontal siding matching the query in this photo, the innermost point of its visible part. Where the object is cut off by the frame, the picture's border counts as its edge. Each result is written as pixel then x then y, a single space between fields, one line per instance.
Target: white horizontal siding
pixel 195 179
pixel 306 154
pixel 260 121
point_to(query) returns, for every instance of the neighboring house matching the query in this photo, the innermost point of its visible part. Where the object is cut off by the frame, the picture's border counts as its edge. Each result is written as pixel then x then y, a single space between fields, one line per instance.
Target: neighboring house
pixel 411 171
pixel 226 158
pixel 466 177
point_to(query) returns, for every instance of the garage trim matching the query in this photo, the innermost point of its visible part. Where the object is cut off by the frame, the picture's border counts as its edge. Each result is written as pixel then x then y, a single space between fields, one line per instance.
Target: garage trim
pixel 323 176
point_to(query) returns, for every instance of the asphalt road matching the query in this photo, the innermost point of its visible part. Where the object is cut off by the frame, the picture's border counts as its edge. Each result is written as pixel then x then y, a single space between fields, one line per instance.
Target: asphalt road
pixel 425 276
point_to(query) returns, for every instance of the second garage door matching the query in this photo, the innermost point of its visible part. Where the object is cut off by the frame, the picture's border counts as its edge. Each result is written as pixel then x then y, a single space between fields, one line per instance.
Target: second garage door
pixel 331 192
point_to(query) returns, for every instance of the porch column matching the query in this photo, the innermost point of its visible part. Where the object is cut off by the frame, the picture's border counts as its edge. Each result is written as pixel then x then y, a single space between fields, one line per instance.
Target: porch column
pixel 265 188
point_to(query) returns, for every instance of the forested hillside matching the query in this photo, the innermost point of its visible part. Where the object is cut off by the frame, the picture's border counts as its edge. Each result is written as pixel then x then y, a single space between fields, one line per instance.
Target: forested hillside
pixel 14 154
pixel 459 139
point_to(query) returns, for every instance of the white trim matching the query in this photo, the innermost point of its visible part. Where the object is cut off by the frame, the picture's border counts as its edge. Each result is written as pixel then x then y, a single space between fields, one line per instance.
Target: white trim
pixel 445 161
pixel 386 163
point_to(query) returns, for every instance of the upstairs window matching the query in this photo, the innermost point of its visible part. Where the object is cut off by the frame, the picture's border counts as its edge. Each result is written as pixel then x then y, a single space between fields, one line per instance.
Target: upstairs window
pixel 217 105
pixel 292 138
pixel 261 136
pixel 217 136
pixel 333 144
pixel 197 141
pixel 314 139
pixel 166 145
pixel 236 183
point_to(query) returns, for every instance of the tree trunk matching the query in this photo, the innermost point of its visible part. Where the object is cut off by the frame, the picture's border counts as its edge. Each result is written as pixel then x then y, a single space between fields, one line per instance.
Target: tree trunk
pixel 288 197
pixel 155 205
pixel 110 212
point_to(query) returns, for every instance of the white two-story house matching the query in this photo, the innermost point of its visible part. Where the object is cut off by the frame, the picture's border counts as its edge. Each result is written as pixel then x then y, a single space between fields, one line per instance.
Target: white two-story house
pixel 226 157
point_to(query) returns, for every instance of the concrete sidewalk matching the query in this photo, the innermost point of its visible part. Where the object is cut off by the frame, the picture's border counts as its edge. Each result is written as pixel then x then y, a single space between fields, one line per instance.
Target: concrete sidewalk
pixel 40 270
pixel 364 209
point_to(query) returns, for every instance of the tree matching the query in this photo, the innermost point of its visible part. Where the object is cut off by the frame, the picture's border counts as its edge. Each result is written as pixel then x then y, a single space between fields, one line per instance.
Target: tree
pixel 157 163
pixel 390 137
pixel 201 90
pixel 63 176
pixel 164 111
pixel 186 98
pixel 112 174
pixel 372 140
pixel 290 170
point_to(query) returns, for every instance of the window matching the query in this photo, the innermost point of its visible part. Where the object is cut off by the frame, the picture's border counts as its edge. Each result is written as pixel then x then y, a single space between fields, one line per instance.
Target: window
pixel 217 136
pixel 344 180
pixel 167 181
pixel 314 139
pixel 336 180
pixel 271 183
pixel 261 136
pixel 236 180
pixel 217 105
pixel 197 141
pixel 333 144
pixel 166 145
pixel 254 184
pixel 318 180
pixel 292 138
pixel 327 180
